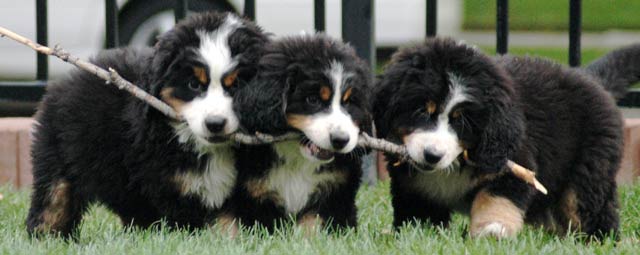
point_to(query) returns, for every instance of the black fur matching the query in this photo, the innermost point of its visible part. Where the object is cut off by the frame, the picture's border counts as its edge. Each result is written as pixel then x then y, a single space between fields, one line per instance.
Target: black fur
pixel 109 147
pixel 618 69
pixel 291 70
pixel 557 121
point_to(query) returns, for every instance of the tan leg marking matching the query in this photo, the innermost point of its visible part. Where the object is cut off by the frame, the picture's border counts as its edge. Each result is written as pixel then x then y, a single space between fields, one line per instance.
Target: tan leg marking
pixel 55 215
pixel 569 207
pixel 258 189
pixel 310 223
pixel 494 216
pixel 227 225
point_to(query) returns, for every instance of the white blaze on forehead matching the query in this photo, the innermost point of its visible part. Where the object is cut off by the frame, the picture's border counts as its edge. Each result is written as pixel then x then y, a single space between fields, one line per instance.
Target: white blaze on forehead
pixel 336 119
pixel 338 76
pixel 214 47
pixel 214 50
pixel 442 140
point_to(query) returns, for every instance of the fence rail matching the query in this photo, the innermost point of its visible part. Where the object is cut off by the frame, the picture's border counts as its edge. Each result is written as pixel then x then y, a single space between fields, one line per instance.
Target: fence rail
pixel 357 29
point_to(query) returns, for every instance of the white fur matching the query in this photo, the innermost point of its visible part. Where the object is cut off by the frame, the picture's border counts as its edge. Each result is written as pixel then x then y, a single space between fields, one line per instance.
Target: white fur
pixel 442 140
pixel 214 50
pixel 337 119
pixel 214 185
pixel 296 179
pixel 495 229
pixel 446 187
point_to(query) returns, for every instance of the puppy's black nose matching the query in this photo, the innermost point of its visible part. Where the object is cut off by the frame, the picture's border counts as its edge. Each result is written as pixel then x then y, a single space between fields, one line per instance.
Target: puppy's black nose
pixel 215 124
pixel 431 157
pixel 339 139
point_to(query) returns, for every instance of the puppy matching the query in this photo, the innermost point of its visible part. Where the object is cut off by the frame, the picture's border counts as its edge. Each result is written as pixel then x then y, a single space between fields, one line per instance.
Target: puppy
pixel 315 86
pixel 444 99
pixel 95 143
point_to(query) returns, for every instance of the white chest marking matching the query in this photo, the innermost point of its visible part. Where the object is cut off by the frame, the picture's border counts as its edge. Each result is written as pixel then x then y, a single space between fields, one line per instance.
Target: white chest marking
pixel 446 187
pixel 213 185
pixel 296 179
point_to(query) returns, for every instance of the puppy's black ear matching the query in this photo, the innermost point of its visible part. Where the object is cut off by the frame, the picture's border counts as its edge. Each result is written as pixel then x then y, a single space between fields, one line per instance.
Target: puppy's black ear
pixel 500 136
pixel 261 105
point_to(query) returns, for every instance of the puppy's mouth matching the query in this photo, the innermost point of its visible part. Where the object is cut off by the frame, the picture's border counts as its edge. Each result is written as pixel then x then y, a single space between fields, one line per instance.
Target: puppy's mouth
pixel 311 150
pixel 459 163
pixel 216 139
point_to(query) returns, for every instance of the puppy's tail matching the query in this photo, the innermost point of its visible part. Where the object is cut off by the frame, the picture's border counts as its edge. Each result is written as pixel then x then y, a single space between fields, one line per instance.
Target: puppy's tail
pixel 618 69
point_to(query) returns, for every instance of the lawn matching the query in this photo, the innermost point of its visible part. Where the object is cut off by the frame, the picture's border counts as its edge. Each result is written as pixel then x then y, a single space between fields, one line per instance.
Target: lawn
pixel 101 233
pixel 553 15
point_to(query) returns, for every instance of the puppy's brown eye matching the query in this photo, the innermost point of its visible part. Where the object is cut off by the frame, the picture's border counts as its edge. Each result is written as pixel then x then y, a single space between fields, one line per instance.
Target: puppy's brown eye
pixel 456 114
pixel 431 107
pixel 230 78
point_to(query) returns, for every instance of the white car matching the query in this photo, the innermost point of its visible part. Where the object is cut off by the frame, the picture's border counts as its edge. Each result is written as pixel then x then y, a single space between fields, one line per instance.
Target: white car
pixel 79 25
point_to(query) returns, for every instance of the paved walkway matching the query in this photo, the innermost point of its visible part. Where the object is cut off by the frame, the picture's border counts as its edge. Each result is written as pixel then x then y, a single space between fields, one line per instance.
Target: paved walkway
pixel 609 39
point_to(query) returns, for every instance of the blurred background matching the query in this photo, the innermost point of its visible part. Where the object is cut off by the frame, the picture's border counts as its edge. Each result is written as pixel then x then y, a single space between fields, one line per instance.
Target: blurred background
pixel 536 27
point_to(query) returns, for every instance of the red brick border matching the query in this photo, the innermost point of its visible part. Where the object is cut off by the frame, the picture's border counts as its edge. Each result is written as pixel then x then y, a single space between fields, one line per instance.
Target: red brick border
pixel 15 158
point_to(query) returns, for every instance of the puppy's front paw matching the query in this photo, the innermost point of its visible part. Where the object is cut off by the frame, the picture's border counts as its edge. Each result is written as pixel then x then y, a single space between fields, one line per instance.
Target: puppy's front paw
pixel 494 216
pixel 492 229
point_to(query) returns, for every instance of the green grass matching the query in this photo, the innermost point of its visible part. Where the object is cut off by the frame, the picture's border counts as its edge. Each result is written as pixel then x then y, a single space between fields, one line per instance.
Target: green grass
pixel 101 233
pixel 553 15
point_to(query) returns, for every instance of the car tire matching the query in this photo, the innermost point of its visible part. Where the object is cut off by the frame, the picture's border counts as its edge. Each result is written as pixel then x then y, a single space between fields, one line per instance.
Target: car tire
pixel 141 21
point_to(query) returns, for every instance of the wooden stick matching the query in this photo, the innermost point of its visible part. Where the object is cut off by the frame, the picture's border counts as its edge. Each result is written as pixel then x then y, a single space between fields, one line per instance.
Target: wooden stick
pixel 526 175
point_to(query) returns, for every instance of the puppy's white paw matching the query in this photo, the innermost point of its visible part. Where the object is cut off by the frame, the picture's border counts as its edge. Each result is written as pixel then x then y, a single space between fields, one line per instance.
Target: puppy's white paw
pixel 492 229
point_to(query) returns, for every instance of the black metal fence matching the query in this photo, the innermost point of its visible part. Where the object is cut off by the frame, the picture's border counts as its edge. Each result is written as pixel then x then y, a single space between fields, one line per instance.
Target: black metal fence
pixel 357 29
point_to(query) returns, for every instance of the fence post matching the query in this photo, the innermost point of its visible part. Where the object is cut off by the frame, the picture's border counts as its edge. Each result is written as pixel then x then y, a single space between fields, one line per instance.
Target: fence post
pixel 319 15
pixel 180 10
pixel 502 26
pixel 42 71
pixel 358 28
pixel 250 9
pixel 111 11
pixel 432 17
pixel 575 22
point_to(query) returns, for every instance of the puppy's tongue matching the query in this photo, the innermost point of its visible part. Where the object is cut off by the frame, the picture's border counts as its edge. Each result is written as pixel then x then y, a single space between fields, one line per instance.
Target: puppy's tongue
pixel 318 152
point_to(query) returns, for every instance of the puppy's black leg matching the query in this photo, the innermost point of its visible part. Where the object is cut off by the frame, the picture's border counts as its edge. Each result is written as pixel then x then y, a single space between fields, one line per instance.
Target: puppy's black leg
pixel 338 211
pixel 590 206
pixel 411 209
pixel 138 213
pixel 55 209
pixel 498 209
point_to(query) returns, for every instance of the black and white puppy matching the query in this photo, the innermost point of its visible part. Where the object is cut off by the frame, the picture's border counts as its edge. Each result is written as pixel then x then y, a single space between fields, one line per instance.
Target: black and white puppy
pixel 95 143
pixel 318 87
pixel 444 99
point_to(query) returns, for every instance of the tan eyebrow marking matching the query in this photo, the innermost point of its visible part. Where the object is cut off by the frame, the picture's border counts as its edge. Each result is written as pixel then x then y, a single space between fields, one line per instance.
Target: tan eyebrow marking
pixel 346 95
pixel 431 107
pixel 325 93
pixel 201 74
pixel 230 78
pixel 456 113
